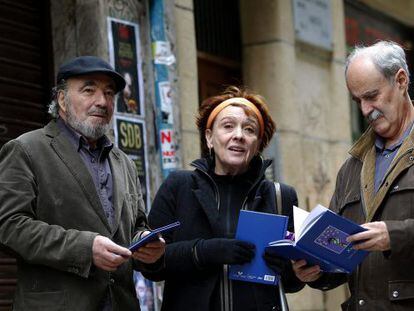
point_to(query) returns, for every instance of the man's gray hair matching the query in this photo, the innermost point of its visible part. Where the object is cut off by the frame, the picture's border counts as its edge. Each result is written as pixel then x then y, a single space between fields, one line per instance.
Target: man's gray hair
pixel 53 108
pixel 387 56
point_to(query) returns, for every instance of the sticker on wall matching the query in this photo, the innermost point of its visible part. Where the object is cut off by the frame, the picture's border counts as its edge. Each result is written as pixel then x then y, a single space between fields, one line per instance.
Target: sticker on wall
pixel 125 56
pixel 130 136
pixel 162 54
pixel 166 101
pixel 168 149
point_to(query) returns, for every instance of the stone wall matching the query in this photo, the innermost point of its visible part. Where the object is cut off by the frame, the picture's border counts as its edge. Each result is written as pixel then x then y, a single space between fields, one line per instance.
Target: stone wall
pixel 187 80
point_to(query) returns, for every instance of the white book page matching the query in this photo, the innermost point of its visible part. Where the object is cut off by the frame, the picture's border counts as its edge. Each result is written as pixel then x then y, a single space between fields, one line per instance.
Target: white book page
pixel 313 216
pixel 299 216
pixel 281 242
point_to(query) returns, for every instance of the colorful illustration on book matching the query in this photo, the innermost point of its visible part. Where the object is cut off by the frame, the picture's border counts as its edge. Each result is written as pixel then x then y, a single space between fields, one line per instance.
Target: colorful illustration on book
pixel 333 239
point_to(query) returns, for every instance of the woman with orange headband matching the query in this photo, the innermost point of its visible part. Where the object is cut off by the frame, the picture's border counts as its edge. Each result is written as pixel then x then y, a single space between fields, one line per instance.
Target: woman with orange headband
pixel 235 127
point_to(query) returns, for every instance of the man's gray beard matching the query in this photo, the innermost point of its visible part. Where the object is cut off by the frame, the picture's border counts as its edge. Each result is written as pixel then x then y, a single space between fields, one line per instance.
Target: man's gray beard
pixel 92 132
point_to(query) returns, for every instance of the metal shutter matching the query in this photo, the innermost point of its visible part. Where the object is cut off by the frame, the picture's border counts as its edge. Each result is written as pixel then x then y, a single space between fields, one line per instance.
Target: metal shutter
pixel 24 83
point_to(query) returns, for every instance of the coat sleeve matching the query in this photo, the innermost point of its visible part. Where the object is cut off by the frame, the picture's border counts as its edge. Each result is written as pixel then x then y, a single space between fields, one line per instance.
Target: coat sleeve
pixel 179 259
pixel 37 242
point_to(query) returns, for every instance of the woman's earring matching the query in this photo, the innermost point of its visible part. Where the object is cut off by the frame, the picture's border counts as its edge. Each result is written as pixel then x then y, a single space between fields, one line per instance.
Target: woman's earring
pixel 209 151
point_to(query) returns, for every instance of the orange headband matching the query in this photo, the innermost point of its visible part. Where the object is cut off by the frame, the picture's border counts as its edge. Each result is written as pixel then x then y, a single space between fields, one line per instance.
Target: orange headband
pixel 240 101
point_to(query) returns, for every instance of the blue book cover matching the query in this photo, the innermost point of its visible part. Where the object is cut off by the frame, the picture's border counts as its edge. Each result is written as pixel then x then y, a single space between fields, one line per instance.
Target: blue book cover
pixel 321 240
pixel 153 235
pixel 259 229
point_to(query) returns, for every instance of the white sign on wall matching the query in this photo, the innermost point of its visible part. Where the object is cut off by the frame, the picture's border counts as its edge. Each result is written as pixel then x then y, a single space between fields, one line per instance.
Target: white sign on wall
pixel 313 22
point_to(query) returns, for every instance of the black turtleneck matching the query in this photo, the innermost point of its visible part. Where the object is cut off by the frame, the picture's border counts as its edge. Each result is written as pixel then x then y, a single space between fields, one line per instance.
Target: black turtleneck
pixel 232 191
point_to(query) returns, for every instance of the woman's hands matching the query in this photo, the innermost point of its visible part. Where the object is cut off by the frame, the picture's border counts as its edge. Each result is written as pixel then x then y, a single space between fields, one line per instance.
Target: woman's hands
pixel 224 251
pixel 150 252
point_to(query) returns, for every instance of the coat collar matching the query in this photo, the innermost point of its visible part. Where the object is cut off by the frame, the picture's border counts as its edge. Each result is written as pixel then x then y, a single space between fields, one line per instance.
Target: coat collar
pixel 363 144
pixel 364 151
pixel 205 188
pixel 256 170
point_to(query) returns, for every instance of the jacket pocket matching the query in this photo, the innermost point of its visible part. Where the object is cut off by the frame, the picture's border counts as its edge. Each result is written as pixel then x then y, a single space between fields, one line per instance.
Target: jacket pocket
pixel 40 301
pixel 400 290
pixel 350 200
pixel 346 306
pixel 401 194
pixel 351 208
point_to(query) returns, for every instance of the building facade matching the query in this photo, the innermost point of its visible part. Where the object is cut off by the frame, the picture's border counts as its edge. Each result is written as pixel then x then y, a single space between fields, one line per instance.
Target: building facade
pixel 290 51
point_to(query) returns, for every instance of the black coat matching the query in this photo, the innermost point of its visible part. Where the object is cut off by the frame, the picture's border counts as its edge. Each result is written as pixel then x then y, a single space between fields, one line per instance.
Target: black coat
pixel 191 198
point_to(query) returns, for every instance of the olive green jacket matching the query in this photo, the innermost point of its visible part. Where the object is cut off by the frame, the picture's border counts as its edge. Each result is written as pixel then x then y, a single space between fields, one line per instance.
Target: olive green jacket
pixel 50 214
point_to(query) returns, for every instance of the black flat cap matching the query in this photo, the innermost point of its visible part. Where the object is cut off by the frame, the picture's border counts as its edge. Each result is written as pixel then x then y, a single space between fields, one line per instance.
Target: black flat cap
pixel 87 65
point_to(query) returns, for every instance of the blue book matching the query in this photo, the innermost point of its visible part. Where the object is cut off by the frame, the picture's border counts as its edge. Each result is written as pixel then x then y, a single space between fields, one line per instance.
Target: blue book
pixel 320 239
pixel 153 235
pixel 259 229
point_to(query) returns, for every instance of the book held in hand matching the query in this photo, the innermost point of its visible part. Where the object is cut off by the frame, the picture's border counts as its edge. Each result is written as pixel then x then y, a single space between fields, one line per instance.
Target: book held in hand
pixel 152 236
pixel 259 229
pixel 320 239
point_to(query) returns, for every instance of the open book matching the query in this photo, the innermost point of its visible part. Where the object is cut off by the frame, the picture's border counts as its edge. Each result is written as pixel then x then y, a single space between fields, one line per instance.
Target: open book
pixel 320 239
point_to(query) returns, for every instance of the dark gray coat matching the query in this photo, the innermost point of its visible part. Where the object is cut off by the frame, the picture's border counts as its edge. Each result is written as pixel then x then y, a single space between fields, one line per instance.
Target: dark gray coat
pixel 49 215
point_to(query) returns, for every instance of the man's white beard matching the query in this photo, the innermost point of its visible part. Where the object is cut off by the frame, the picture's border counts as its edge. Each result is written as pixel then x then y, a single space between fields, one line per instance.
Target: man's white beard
pixel 90 131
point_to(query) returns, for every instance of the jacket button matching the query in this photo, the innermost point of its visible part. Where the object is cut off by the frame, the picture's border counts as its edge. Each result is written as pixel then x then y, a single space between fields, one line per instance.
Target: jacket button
pixel 361 302
pixel 395 294
pixel 411 158
pixel 112 280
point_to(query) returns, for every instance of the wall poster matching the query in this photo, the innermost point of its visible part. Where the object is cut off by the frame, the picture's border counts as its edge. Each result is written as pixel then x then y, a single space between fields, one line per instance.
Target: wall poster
pixel 130 136
pixel 125 56
pixel 129 124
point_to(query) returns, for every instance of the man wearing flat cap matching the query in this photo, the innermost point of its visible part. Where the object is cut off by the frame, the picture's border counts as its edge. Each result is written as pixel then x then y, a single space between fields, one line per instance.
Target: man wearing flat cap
pixel 71 202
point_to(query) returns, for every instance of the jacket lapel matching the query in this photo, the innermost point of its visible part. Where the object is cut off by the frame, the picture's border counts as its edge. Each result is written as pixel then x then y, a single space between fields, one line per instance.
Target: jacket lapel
pixel 367 181
pixel 364 150
pixel 208 200
pixel 79 171
pixel 118 186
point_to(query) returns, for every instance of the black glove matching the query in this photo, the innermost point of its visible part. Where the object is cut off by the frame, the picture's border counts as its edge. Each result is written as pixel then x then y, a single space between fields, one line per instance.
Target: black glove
pixel 224 251
pixel 276 263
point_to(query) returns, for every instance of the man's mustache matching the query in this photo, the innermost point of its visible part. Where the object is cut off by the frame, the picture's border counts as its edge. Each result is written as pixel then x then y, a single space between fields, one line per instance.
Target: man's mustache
pixel 374 115
pixel 99 111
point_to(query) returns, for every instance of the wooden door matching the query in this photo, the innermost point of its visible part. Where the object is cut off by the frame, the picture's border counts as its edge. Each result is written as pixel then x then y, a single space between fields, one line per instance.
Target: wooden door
pixel 215 73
